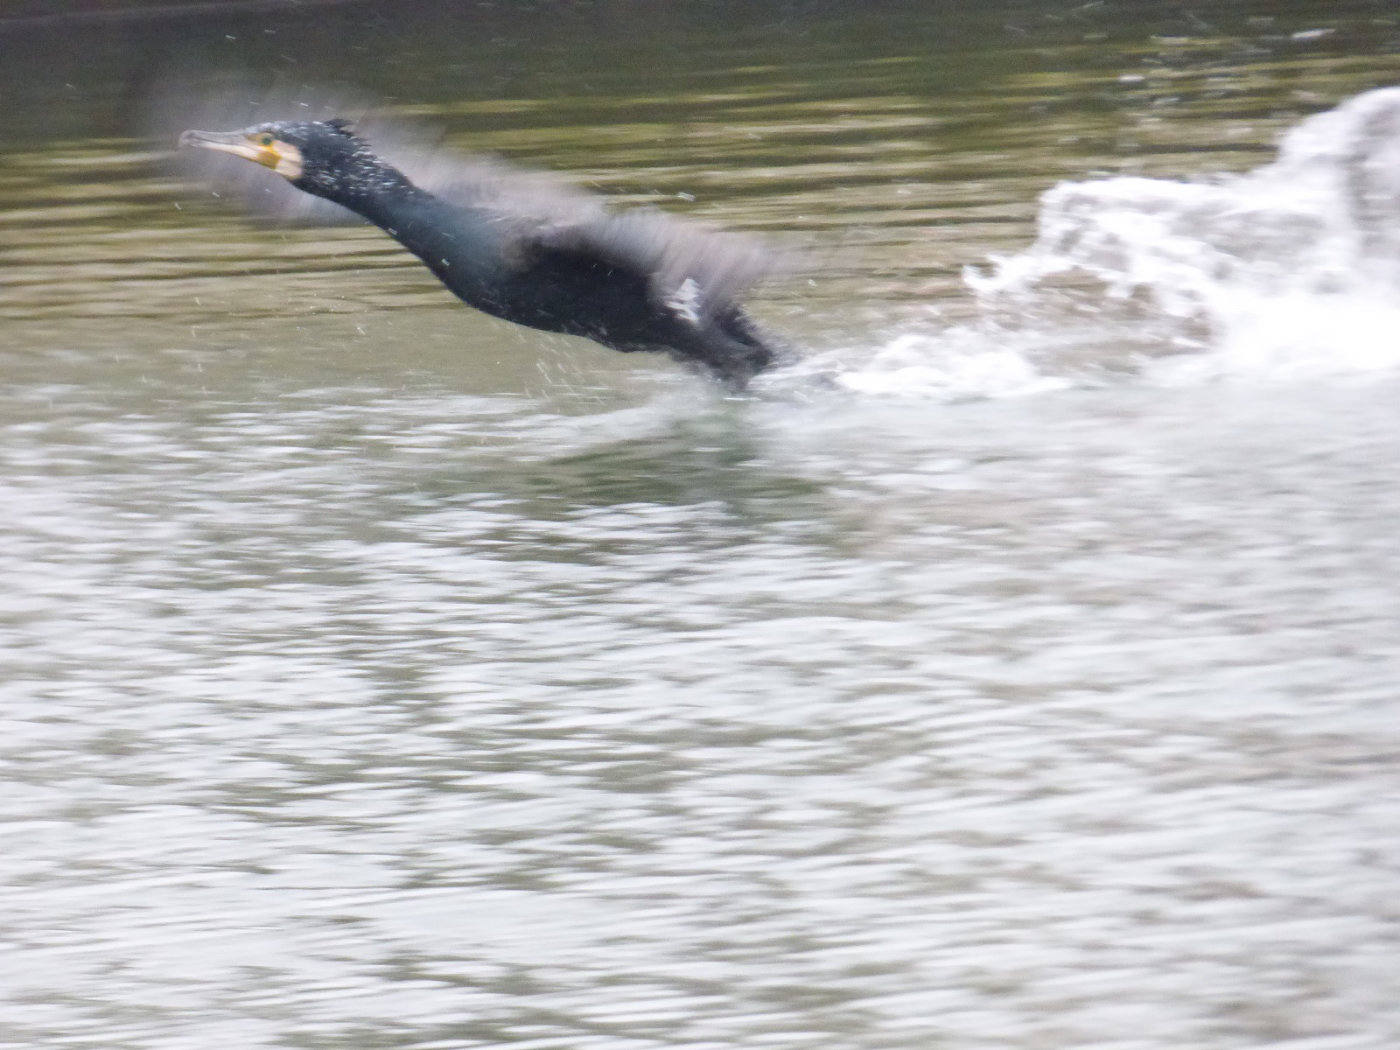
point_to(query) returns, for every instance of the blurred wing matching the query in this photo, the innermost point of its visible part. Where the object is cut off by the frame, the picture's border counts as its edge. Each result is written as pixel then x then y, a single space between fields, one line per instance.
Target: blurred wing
pixel 689 269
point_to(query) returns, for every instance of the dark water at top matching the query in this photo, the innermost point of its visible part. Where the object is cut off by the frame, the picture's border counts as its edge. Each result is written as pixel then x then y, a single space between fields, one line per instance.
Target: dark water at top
pixel 376 674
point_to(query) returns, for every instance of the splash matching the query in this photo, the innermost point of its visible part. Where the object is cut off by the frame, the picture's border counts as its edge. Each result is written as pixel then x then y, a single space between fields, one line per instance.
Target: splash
pixel 1292 269
pixel 953 365
pixel 1289 271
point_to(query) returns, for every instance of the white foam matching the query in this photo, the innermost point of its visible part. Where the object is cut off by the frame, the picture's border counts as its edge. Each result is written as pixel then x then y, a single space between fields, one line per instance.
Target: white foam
pixel 947 366
pixel 1290 271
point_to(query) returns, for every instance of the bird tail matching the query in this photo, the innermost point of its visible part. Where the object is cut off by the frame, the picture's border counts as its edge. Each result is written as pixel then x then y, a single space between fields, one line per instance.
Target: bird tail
pixel 733 349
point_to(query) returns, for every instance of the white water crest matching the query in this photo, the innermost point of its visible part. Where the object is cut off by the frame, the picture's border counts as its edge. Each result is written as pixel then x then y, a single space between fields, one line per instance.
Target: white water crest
pixel 1289 271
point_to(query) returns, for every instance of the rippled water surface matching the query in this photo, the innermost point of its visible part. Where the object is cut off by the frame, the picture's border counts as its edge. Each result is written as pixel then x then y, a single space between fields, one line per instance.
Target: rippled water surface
pixel 1020 671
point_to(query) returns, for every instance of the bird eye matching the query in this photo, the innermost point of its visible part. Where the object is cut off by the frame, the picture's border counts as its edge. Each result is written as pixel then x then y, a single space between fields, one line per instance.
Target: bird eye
pixel 266 140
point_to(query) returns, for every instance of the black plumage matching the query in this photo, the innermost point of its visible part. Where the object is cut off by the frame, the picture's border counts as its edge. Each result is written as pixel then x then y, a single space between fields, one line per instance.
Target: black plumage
pixel 524 248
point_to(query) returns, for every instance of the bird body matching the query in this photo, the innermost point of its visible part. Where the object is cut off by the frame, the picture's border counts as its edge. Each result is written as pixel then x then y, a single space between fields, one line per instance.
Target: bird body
pixel 631 281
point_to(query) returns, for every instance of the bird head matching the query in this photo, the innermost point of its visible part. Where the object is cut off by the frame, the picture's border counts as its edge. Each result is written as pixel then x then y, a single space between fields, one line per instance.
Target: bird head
pixel 314 155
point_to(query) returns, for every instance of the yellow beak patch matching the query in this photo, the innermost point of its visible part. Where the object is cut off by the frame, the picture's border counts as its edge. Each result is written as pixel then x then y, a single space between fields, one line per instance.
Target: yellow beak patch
pixel 259 147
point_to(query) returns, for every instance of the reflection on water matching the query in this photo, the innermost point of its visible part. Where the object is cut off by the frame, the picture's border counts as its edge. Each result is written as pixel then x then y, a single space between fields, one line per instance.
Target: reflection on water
pixel 381 676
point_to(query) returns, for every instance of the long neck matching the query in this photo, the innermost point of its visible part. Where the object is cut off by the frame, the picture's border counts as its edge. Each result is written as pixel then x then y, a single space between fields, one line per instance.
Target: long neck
pixel 460 245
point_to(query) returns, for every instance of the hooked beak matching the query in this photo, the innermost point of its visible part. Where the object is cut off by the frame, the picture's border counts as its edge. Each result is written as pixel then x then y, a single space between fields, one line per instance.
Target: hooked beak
pixel 281 157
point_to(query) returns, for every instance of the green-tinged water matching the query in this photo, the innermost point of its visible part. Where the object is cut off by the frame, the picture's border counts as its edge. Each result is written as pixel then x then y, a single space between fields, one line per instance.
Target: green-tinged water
pixel 376 674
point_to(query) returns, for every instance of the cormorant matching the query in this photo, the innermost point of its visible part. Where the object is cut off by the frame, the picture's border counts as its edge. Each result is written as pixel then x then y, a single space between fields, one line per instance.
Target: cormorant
pixel 555 260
